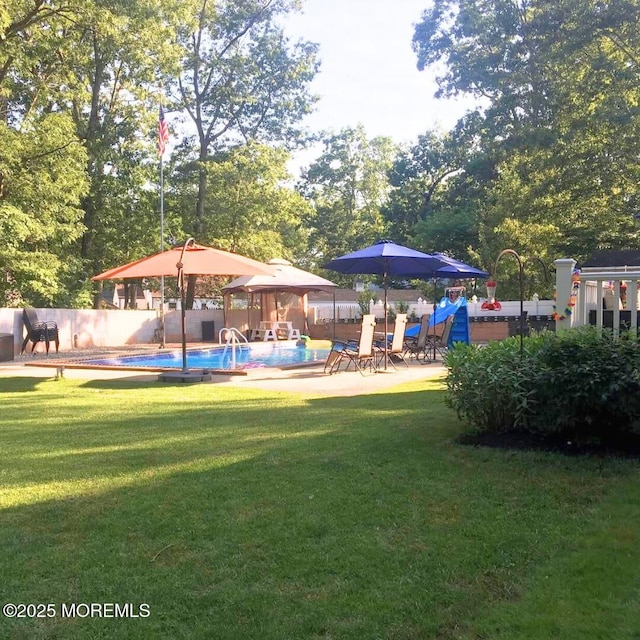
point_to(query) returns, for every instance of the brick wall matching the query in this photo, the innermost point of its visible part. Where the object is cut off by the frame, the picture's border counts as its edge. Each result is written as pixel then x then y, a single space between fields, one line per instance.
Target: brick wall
pixel 479 331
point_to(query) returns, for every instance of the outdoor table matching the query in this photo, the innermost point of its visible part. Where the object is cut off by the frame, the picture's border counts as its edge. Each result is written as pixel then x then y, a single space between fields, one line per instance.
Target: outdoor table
pixel 273 330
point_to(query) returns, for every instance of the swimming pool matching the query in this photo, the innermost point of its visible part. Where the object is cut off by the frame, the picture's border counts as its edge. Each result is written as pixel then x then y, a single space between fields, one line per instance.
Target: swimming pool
pixel 247 356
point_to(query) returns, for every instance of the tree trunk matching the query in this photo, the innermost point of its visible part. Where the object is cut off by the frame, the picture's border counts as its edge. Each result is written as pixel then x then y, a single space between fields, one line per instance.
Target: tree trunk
pixel 198 226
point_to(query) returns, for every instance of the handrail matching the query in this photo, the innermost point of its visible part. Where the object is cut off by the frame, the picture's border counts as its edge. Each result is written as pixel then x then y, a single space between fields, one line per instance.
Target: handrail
pixel 231 332
pixel 232 338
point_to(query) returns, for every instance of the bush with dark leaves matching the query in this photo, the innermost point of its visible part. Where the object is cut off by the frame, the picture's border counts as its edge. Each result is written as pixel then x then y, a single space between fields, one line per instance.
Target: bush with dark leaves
pixel 581 384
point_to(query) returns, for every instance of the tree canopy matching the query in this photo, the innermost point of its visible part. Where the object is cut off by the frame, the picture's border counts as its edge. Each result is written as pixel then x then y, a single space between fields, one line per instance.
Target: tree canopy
pixel 560 129
pixel 347 186
pixel 547 164
pixel 96 73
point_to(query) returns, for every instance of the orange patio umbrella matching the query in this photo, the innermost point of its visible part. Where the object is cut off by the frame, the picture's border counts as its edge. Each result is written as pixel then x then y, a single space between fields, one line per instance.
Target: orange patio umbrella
pixel 196 260
pixel 189 260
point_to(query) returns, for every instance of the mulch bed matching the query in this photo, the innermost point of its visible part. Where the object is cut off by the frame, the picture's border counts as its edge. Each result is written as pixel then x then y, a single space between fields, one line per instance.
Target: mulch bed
pixel 628 447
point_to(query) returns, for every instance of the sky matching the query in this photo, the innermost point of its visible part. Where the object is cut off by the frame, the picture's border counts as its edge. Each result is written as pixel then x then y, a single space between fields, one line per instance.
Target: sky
pixel 368 71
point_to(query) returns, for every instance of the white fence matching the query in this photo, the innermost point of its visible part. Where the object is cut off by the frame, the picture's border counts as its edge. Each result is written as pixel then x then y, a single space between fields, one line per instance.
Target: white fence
pixel 351 311
pixel 82 328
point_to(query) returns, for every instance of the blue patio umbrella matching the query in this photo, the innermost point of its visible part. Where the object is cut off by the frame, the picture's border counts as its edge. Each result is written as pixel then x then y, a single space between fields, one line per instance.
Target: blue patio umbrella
pixel 456 269
pixel 388 259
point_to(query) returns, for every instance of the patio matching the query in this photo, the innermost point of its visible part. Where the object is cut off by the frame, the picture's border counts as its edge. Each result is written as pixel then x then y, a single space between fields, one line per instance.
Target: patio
pixel 308 380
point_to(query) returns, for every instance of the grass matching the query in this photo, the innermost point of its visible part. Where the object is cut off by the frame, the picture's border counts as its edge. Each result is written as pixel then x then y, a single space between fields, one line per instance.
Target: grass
pixel 240 514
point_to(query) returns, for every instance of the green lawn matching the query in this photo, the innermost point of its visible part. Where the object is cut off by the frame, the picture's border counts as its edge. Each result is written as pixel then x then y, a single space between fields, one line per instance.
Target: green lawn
pixel 237 514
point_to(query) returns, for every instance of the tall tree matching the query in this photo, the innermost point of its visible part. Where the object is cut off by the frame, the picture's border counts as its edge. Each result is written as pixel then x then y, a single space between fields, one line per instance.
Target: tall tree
pixel 560 127
pixel 423 196
pixel 42 164
pixel 257 212
pixel 347 186
pixel 42 181
pixel 98 63
pixel 113 69
pixel 241 80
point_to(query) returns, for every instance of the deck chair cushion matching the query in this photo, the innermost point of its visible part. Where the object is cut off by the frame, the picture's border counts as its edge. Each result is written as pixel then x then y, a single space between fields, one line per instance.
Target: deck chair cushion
pixel 394 349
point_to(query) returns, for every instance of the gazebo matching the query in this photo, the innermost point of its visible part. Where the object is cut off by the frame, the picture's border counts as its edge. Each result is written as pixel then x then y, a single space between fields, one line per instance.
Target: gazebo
pixel 282 297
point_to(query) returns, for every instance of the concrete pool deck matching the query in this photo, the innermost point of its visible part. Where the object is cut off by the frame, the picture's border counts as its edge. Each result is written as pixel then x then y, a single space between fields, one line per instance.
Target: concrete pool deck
pixel 308 380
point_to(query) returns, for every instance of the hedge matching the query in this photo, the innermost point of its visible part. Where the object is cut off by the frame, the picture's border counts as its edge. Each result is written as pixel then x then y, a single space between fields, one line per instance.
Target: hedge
pixel 581 384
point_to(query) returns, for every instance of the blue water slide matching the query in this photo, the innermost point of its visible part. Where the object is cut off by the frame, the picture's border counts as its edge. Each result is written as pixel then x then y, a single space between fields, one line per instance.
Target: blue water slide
pixel 444 309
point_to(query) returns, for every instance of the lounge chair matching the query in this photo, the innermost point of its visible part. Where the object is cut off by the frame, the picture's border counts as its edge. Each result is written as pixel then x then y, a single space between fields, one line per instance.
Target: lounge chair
pixel 438 342
pixel 395 345
pixel 417 346
pixel 361 354
pixel 39 331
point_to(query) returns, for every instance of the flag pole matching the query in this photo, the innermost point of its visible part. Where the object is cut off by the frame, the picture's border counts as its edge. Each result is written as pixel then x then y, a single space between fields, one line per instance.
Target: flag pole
pixel 163 136
pixel 162 329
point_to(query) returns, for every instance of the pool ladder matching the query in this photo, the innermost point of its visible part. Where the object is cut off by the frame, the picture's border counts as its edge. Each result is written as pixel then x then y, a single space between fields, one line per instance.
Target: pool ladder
pixel 233 339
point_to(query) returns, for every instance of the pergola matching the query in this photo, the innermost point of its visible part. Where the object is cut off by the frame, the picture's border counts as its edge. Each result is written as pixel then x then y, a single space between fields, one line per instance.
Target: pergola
pixel 280 297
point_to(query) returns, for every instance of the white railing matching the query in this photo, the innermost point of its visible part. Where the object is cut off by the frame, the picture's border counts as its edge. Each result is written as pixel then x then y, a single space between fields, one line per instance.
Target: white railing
pixel 233 339
pixel 323 311
pixel 512 308
pixel 418 308
pixel 351 310
pixel 610 290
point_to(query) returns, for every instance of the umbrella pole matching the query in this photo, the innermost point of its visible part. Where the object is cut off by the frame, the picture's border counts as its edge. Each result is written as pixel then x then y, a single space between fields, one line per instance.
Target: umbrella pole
pixel 386 338
pixel 183 302
pixel 435 296
pixel 162 326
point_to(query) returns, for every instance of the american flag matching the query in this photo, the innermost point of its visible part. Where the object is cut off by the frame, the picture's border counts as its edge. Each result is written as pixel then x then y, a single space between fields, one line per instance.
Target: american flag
pixel 163 133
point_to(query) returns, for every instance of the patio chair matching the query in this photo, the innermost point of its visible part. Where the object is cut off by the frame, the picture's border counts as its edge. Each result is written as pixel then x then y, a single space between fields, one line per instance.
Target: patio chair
pixel 37 331
pixel 395 345
pixel 438 342
pixel 361 354
pixel 417 346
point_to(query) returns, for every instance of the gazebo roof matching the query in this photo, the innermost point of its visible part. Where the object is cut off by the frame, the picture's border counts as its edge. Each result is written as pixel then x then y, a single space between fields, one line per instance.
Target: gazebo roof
pixel 613 258
pixel 286 278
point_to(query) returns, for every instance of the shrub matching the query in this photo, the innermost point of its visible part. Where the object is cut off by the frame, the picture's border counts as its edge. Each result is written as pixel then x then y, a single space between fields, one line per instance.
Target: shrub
pixel 588 385
pixel 402 306
pixel 488 385
pixel 364 300
pixel 578 384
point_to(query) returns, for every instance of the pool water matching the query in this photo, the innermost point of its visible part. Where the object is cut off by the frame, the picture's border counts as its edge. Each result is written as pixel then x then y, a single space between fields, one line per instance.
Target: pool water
pixel 246 357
